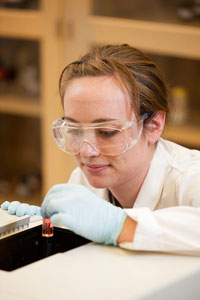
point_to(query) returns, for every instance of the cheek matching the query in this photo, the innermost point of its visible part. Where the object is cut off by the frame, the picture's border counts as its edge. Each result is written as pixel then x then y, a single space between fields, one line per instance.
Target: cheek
pixel 129 161
pixel 77 159
pixel 120 163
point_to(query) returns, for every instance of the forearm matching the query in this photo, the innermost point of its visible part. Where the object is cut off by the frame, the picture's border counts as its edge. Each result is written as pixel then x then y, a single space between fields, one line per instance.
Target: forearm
pixel 128 231
pixel 174 229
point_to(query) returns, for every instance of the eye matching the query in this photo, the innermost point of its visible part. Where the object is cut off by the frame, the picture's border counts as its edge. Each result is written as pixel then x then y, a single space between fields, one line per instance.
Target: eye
pixel 73 131
pixel 108 133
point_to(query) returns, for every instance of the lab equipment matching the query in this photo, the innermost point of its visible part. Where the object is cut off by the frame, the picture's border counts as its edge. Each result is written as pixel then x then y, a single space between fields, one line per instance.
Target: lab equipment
pixel 179 101
pixel 77 208
pixel 10 224
pixel 47 227
pixel 28 246
pixel 47 232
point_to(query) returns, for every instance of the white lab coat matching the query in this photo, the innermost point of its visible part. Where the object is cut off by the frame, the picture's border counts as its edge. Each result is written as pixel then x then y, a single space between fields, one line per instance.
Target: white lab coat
pixel 167 208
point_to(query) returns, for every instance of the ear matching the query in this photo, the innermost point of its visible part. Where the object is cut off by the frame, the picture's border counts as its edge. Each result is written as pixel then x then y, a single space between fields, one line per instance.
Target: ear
pixel 154 128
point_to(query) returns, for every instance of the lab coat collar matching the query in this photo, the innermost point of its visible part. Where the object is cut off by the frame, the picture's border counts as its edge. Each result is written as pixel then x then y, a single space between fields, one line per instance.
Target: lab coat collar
pixel 152 187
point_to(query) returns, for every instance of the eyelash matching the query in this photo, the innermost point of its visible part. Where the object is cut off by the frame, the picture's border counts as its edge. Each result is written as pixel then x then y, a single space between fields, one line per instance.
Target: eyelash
pixel 103 133
pixel 108 133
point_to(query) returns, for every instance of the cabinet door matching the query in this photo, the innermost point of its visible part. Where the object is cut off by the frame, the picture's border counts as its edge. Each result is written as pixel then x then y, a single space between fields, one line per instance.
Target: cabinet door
pixel 33 34
pixel 169 31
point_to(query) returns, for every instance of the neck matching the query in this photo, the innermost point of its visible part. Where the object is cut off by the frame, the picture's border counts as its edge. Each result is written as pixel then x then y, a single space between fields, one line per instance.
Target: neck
pixel 127 200
pixel 126 193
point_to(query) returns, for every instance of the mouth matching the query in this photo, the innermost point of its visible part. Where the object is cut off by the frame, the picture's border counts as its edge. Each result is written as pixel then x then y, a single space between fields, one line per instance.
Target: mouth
pixel 94 168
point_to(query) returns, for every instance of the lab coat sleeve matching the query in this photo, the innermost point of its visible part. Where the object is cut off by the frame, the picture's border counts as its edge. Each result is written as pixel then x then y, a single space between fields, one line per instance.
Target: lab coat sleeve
pixel 173 229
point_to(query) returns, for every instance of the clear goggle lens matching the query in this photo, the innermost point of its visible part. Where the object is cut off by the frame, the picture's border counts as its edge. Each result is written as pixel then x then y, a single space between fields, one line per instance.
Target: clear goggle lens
pixel 109 138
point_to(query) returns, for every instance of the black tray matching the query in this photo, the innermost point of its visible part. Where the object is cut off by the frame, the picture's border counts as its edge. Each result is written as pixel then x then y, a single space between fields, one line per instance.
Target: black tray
pixel 29 246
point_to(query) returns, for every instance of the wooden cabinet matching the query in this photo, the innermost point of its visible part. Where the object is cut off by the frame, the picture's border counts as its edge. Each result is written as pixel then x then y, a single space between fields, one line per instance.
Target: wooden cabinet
pixel 35 115
pixel 161 33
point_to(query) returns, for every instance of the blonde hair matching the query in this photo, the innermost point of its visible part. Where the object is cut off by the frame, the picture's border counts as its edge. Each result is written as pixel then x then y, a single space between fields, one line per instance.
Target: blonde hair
pixel 139 75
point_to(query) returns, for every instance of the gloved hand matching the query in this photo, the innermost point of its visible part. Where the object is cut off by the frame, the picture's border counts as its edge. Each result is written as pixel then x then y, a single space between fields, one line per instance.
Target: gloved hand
pixel 20 209
pixel 77 208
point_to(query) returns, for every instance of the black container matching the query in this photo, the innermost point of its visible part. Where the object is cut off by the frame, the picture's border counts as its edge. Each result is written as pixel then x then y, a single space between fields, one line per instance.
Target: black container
pixel 29 246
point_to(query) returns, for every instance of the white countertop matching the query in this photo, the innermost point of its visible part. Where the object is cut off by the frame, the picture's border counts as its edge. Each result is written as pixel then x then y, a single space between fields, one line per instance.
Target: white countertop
pixel 96 272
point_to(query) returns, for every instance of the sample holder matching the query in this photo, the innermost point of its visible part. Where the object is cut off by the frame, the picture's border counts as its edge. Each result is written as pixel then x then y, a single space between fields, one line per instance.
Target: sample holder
pixel 29 246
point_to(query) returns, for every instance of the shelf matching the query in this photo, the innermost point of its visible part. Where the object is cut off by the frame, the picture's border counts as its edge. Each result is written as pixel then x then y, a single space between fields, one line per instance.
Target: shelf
pixel 188 135
pixel 153 10
pixel 23 24
pixel 181 41
pixel 20 106
pixel 166 39
pixel 45 27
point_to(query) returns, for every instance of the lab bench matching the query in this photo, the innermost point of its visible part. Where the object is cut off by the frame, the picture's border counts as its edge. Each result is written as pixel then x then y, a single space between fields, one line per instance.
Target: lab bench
pixel 79 269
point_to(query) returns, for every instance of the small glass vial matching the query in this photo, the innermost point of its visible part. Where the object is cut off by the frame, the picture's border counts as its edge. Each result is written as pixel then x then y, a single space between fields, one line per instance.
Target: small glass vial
pixel 47 227
pixel 179 108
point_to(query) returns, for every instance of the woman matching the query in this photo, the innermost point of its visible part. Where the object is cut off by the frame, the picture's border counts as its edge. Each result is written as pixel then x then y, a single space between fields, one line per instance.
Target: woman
pixel 115 102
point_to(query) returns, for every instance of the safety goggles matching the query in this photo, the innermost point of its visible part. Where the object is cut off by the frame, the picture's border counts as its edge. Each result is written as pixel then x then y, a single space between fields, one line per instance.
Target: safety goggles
pixel 109 138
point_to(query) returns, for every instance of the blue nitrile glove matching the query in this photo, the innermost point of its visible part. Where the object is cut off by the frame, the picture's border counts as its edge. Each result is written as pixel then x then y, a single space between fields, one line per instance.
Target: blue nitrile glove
pixel 76 207
pixel 20 209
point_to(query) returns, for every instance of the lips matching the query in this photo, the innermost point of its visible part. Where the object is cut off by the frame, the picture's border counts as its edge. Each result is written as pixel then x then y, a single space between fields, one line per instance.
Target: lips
pixel 93 168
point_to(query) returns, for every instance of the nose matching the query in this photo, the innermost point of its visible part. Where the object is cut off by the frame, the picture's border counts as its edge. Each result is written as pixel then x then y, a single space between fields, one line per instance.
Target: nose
pixel 87 150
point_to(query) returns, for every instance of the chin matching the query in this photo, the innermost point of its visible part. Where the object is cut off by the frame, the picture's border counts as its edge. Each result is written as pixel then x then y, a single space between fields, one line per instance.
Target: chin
pixel 96 182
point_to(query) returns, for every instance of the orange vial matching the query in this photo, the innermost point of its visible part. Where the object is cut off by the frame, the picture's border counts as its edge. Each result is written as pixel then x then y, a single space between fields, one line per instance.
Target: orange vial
pixel 47 227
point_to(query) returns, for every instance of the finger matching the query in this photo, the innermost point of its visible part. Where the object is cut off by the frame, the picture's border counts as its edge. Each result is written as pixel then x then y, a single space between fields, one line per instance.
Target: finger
pixel 57 188
pixel 38 211
pixel 43 209
pixel 31 210
pixel 5 205
pixel 13 207
pixel 61 219
pixel 66 220
pixel 21 209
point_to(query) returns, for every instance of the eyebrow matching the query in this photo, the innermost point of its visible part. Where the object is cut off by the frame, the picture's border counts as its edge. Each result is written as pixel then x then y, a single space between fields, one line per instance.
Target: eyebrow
pixel 95 121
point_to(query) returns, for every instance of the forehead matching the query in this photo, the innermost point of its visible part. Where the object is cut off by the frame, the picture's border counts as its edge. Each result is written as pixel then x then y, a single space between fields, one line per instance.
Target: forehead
pixel 96 97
